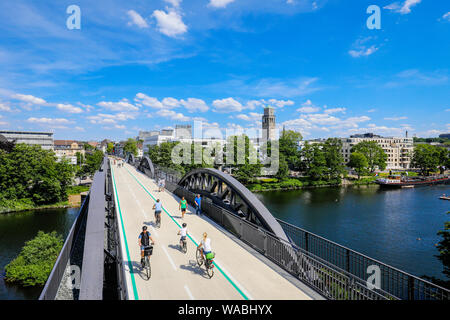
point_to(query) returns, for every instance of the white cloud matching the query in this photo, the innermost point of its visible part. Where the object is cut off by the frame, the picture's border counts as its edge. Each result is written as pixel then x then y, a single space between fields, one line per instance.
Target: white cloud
pixel 80 129
pixel 227 105
pixel 173 115
pixel 335 110
pixel 69 108
pixel 395 118
pixel 29 99
pixel 193 104
pixel 49 120
pixel 280 103
pixel 136 19
pixel 175 3
pixel 404 8
pixel 169 23
pixel 122 105
pixel 102 118
pixel 363 51
pixel 219 3
pixel 446 16
pixel 308 107
pixel 3 123
pixel 252 116
pixel 5 108
pixel 148 101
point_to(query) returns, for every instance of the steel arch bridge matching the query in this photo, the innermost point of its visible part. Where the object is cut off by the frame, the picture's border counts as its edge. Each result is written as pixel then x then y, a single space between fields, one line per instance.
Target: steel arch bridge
pixel 228 193
pixel 146 166
pixel 130 158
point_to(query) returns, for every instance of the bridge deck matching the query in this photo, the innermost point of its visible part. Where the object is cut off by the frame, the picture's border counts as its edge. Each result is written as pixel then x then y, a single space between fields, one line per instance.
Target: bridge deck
pixel 175 275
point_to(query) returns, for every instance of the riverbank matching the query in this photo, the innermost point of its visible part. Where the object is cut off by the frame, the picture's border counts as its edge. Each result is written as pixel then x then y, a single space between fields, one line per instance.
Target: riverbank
pixel 297 184
pixel 73 201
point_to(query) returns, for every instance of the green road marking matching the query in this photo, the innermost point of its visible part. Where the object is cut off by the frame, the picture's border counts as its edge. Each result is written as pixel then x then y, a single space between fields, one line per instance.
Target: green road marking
pixel 220 269
pixel 133 281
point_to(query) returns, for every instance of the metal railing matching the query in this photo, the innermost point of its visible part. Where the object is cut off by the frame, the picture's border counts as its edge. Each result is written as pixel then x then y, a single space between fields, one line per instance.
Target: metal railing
pixel 59 268
pixel 333 270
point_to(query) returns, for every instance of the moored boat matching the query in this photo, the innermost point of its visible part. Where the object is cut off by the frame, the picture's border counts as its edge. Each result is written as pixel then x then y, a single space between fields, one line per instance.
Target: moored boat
pixel 408 182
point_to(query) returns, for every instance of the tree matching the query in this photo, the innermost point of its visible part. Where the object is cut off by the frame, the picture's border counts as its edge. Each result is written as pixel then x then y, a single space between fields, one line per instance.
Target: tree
pixel 93 162
pixel 29 172
pixel 131 147
pixel 88 147
pixel 244 161
pixel 444 249
pixel 35 261
pixel 358 161
pixel 375 155
pixel 289 147
pixel 426 158
pixel 332 149
pixel 110 147
pixel 314 163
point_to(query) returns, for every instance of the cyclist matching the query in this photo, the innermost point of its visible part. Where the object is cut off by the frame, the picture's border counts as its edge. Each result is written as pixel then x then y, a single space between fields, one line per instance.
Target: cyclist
pixel 183 207
pixel 183 233
pixel 144 241
pixel 163 184
pixel 206 244
pixel 158 208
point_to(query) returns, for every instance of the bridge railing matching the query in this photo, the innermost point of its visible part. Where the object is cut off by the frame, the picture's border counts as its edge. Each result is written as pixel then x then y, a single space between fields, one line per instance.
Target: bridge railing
pixel 333 270
pixel 397 282
pixel 59 268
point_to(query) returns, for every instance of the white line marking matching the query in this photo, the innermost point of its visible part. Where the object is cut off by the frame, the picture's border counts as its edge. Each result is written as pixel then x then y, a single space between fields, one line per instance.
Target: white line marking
pixel 170 259
pixel 154 231
pixel 189 292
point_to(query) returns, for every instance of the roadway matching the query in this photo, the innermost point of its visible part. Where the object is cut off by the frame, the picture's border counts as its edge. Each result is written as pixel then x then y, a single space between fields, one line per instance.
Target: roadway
pixel 175 275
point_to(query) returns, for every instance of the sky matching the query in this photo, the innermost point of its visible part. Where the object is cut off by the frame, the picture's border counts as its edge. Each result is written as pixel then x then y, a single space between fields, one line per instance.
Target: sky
pixel 147 65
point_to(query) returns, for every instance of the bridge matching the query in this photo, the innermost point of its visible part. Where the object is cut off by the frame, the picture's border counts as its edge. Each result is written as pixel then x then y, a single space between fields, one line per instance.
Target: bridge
pixel 257 256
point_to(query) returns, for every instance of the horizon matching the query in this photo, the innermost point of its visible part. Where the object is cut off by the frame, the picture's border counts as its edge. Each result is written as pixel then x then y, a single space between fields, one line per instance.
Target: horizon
pixel 139 67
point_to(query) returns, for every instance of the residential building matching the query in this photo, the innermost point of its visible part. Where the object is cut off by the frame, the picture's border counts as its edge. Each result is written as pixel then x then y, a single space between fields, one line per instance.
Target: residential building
pixel 398 150
pixel 68 149
pixel 44 139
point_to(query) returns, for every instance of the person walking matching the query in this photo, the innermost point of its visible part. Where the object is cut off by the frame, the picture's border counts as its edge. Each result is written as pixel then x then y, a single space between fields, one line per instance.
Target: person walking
pixel 183 207
pixel 198 205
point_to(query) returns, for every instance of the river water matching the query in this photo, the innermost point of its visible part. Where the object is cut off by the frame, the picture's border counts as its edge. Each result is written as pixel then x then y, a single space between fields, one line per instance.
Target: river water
pixel 16 229
pixel 383 224
pixel 397 227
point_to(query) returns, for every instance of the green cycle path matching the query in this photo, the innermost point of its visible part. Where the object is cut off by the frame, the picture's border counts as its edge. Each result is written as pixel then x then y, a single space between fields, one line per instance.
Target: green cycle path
pixel 176 275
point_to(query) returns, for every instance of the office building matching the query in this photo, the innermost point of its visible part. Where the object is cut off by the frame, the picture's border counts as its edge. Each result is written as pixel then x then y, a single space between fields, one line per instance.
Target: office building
pixel 43 139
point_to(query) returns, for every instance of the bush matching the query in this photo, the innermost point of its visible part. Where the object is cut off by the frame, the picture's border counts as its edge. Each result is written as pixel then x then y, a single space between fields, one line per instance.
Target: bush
pixel 35 262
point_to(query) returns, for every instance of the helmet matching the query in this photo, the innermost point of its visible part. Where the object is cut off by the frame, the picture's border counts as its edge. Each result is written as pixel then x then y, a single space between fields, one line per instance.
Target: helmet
pixel 184 225
pixel 144 228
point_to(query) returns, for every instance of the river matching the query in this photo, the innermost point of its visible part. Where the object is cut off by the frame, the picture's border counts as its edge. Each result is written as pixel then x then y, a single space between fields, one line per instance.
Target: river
pixel 397 227
pixel 16 229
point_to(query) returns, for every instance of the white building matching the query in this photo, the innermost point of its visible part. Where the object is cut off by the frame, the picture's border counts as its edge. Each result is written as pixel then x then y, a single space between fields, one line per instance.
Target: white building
pixel 44 139
pixel 398 150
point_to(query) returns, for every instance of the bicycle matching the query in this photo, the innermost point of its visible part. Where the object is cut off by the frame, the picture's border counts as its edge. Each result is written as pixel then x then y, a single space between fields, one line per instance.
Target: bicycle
pixel 184 245
pixel 158 220
pixel 148 250
pixel 209 262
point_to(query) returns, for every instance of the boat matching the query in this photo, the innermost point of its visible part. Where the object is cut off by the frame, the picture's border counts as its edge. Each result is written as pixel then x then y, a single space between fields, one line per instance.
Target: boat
pixel 410 182
pixel 444 198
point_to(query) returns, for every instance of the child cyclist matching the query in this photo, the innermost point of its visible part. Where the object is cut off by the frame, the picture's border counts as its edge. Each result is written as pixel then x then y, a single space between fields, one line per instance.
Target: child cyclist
pixel 183 232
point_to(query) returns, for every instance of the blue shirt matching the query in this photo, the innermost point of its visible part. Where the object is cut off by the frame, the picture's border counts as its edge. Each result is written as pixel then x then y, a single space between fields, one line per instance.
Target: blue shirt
pixel 158 206
pixel 198 201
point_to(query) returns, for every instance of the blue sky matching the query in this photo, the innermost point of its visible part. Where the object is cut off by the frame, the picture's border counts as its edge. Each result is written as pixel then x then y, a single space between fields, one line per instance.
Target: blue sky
pixel 143 65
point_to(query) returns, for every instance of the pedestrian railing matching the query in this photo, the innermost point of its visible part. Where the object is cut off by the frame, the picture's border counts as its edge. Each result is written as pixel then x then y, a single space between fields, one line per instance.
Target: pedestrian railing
pixel 336 272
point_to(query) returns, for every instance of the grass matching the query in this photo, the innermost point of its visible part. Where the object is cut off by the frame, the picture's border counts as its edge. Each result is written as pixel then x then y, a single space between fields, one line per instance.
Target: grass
pixel 77 189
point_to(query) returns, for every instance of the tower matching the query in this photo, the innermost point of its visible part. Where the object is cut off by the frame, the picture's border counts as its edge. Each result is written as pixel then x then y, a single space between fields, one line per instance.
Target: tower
pixel 268 123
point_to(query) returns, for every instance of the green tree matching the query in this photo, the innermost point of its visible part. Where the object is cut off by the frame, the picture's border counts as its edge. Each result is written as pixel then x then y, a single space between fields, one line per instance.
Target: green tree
pixel 29 172
pixel 314 163
pixel 93 162
pixel 332 149
pixel 289 147
pixel 426 158
pixel 88 147
pixel 35 261
pixel 131 147
pixel 444 248
pixel 375 155
pixel 358 161
pixel 110 147
pixel 245 169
